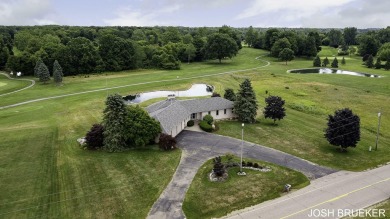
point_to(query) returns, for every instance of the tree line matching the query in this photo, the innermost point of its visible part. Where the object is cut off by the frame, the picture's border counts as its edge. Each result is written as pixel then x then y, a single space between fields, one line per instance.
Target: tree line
pixel 84 50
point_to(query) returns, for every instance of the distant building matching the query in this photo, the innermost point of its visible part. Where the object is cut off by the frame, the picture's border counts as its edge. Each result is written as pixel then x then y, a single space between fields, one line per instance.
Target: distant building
pixel 174 114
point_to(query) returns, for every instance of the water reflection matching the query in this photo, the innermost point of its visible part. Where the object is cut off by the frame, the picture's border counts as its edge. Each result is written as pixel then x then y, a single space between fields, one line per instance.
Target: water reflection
pixel 196 90
pixel 332 71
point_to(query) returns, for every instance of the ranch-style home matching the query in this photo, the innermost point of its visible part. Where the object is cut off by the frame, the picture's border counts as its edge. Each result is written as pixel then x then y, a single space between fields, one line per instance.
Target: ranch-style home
pixel 173 114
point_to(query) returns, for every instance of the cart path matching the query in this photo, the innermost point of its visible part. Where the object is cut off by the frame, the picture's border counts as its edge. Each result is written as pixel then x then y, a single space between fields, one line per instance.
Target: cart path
pixel 198 147
pixel 31 85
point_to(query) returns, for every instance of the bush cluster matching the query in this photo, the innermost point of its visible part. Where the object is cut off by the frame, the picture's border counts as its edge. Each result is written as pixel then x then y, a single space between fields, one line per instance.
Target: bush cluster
pixel 166 142
pixel 209 119
pixel 190 123
pixel 205 126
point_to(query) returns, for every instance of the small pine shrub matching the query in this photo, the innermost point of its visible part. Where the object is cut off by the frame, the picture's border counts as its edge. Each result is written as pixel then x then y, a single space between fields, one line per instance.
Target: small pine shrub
pixel 249 164
pixel 256 165
pixel 190 123
pixel 243 163
pixel 205 126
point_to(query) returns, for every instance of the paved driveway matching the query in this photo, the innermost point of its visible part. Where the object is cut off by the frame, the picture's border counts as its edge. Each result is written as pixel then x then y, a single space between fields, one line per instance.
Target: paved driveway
pixel 198 147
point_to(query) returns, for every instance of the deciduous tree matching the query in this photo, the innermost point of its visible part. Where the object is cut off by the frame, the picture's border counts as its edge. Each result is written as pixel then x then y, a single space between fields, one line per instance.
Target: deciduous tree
pixel 274 108
pixel 141 128
pixel 286 55
pixel 95 137
pixel 343 129
pixel 220 46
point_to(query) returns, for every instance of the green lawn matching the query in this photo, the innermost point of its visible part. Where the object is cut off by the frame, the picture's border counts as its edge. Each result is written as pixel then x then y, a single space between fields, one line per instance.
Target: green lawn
pixel 44 173
pixel 7 85
pixel 385 205
pixel 206 199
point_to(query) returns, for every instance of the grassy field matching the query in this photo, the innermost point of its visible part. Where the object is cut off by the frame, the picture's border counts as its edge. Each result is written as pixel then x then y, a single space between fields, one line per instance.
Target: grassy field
pixel 385 205
pixel 7 85
pixel 44 173
pixel 206 199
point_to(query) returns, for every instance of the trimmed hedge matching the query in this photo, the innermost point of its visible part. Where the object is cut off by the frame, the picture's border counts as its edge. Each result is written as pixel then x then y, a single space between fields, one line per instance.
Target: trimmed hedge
pixel 190 123
pixel 205 126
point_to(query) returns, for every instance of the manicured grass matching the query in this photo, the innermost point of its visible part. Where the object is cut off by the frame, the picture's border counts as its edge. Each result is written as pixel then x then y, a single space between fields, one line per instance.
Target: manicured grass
pixel 206 199
pixel 385 205
pixel 45 174
pixel 245 60
pixel 39 155
pixel 8 85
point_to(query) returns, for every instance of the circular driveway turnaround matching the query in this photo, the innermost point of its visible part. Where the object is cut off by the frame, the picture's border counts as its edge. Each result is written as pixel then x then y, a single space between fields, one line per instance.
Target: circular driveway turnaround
pixel 198 147
pixel 32 84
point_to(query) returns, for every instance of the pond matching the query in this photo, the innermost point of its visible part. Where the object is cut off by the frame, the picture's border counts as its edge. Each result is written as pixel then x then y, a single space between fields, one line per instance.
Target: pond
pixel 196 90
pixel 331 71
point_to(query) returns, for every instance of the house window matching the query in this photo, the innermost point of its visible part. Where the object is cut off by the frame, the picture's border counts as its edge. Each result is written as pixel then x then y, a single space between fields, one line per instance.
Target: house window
pixel 193 116
pixel 209 112
pixel 217 112
pixel 224 111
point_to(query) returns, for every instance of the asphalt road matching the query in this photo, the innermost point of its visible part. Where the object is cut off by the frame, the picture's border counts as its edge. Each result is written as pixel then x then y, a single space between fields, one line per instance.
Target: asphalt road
pixel 198 147
pixel 334 196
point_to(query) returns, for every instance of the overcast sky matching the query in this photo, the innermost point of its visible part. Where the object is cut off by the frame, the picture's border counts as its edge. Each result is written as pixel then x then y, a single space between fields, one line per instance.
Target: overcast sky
pixel 195 13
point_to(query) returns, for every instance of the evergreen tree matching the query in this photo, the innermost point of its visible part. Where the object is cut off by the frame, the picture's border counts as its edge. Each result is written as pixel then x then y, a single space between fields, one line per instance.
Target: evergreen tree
pixel 57 72
pixel 317 62
pixel 387 64
pixel 335 63
pixel 343 129
pixel 274 108
pixel 95 137
pixel 343 61
pixel 378 63
pixel 36 68
pixel 43 73
pixel 229 94
pixel 325 62
pixel 245 107
pixel 370 62
pixel 115 120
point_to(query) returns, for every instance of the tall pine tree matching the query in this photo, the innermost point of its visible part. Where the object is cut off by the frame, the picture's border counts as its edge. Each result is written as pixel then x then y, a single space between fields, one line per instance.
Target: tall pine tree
pixel 325 62
pixel 317 62
pixel 57 72
pixel 370 62
pixel 245 107
pixel 378 63
pixel 36 68
pixel 343 62
pixel 335 63
pixel 43 73
pixel 115 117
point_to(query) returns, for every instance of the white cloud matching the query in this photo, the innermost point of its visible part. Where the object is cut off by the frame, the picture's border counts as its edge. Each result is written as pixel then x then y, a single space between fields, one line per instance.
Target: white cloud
pixel 300 8
pixel 24 12
pixel 137 17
